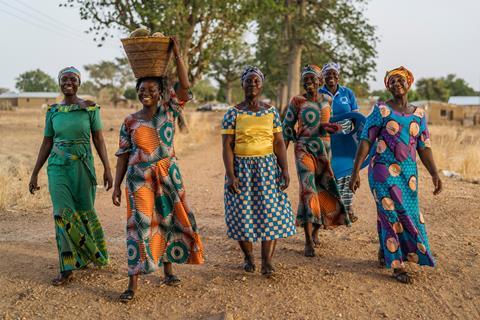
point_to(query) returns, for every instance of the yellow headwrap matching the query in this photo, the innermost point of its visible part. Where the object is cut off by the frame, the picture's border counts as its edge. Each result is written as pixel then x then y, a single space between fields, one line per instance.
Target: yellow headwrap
pixel 401 71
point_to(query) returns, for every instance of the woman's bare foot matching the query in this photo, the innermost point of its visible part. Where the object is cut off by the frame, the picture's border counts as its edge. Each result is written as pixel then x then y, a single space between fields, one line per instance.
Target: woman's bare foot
pixel 248 264
pixel 309 250
pixel 401 275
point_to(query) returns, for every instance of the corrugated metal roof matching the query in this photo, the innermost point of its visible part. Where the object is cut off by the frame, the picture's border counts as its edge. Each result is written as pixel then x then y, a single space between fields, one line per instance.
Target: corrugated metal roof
pixel 13 95
pixel 464 101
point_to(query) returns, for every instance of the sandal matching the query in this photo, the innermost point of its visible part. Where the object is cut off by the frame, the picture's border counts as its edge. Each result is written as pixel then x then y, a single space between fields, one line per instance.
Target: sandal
pixel 268 272
pixel 64 278
pixel 309 251
pixel 353 218
pixel 402 276
pixel 127 296
pixel 171 280
pixel 249 266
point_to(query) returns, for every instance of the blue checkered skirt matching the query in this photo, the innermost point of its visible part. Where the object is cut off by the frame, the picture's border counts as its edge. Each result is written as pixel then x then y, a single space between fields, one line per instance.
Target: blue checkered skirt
pixel 261 211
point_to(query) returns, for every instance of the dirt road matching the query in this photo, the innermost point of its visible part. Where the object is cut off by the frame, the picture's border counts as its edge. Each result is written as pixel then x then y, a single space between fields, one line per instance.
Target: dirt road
pixel 343 281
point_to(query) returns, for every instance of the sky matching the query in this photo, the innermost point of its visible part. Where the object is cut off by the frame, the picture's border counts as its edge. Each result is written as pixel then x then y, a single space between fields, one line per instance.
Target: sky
pixel 430 37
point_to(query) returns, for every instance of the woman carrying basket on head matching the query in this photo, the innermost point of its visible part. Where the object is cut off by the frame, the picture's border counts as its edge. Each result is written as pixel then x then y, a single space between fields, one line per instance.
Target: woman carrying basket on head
pixel 161 228
pixel 71 177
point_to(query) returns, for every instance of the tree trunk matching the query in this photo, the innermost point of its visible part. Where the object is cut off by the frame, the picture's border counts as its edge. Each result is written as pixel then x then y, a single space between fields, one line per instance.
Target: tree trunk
pixel 228 89
pixel 294 63
pixel 282 98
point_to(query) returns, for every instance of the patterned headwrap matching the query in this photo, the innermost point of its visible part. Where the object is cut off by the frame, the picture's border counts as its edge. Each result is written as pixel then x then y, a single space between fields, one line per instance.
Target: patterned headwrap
pixel 67 70
pixel 330 66
pixel 251 70
pixel 313 69
pixel 401 71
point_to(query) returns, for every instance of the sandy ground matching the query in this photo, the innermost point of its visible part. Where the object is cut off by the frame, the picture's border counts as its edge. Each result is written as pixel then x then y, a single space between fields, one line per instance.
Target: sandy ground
pixel 343 281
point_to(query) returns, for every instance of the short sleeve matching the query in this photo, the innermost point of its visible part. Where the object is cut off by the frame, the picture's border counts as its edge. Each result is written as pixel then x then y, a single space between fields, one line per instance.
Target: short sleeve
pixel 373 125
pixel 325 113
pixel 48 131
pixel 424 137
pixel 229 121
pixel 175 103
pixel 353 101
pixel 291 117
pixel 125 141
pixel 95 120
pixel 277 123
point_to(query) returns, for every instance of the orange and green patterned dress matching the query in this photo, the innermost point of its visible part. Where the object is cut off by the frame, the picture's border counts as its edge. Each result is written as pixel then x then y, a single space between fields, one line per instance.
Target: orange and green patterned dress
pixel 160 225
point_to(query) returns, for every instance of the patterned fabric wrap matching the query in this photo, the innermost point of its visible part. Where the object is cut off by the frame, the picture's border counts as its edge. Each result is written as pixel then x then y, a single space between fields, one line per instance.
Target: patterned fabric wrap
pixel 72 186
pixel 261 211
pixel 330 66
pixel 345 193
pixel 401 71
pixel 69 70
pixel 393 179
pixel 320 201
pixel 160 225
pixel 312 69
pixel 251 70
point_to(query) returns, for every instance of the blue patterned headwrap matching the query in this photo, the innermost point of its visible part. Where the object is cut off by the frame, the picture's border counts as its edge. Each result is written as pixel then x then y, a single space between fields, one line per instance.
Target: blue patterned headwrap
pixel 69 70
pixel 331 66
pixel 251 70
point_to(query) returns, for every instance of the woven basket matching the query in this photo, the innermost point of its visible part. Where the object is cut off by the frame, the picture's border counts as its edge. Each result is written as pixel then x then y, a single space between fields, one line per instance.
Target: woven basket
pixel 148 56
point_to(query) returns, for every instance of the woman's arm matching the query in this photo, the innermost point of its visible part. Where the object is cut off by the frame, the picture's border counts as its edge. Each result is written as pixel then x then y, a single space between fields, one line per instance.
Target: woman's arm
pixel 228 143
pixel 42 156
pixel 281 152
pixel 99 144
pixel 362 153
pixel 183 90
pixel 426 156
pixel 121 169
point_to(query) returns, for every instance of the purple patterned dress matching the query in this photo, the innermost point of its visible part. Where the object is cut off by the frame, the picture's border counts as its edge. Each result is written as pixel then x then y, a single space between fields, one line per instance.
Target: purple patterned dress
pixel 393 179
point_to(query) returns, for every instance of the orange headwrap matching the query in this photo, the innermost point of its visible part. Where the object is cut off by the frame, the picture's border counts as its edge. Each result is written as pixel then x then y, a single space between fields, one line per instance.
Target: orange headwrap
pixel 401 71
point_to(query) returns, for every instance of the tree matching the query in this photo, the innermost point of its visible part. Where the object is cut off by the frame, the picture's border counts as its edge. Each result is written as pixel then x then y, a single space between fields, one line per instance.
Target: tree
pixel 202 26
pixel 4 90
pixel 130 93
pixel 432 89
pixel 227 66
pixel 317 31
pixel 458 86
pixel 35 81
pixel 204 91
pixel 88 87
pixel 114 75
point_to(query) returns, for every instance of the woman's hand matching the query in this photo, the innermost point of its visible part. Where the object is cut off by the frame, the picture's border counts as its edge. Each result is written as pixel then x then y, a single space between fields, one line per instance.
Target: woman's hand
pixel 175 47
pixel 233 184
pixel 117 196
pixel 107 179
pixel 285 180
pixel 437 183
pixel 332 127
pixel 354 182
pixel 33 184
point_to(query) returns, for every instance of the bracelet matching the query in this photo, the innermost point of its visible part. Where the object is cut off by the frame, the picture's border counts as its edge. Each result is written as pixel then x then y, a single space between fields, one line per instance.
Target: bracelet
pixel 178 56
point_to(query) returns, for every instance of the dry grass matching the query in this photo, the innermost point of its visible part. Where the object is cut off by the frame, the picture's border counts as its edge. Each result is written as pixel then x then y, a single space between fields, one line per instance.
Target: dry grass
pixel 21 133
pixel 457 149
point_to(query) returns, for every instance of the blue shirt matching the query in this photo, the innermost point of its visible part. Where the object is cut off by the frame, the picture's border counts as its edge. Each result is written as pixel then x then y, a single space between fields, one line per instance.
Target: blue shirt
pixel 344 146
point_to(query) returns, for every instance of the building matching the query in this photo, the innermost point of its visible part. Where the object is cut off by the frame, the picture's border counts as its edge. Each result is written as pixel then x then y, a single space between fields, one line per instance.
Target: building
pixel 28 99
pixel 453 112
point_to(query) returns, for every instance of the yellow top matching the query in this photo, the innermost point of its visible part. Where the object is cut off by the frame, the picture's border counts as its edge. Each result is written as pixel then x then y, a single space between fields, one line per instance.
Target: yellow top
pixel 253 130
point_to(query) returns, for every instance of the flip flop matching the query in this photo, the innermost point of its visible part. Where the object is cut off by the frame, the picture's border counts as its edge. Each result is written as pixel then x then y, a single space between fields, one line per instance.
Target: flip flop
pixel 249 266
pixel 171 280
pixel 127 296
pixel 402 277
pixel 64 278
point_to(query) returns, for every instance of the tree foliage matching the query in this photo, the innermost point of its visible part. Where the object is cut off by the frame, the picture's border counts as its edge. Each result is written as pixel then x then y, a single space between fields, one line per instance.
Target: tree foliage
pixel 442 88
pixel 316 31
pixel 3 90
pixel 35 81
pixel 228 65
pixel 202 26
pixel 203 91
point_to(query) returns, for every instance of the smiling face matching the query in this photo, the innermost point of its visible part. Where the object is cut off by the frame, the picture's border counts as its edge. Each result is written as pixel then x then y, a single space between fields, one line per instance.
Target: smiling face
pixel 252 86
pixel 331 78
pixel 397 85
pixel 69 83
pixel 149 93
pixel 311 83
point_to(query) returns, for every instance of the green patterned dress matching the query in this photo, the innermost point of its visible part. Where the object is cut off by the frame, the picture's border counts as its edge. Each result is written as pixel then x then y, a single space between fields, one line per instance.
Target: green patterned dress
pixel 72 185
